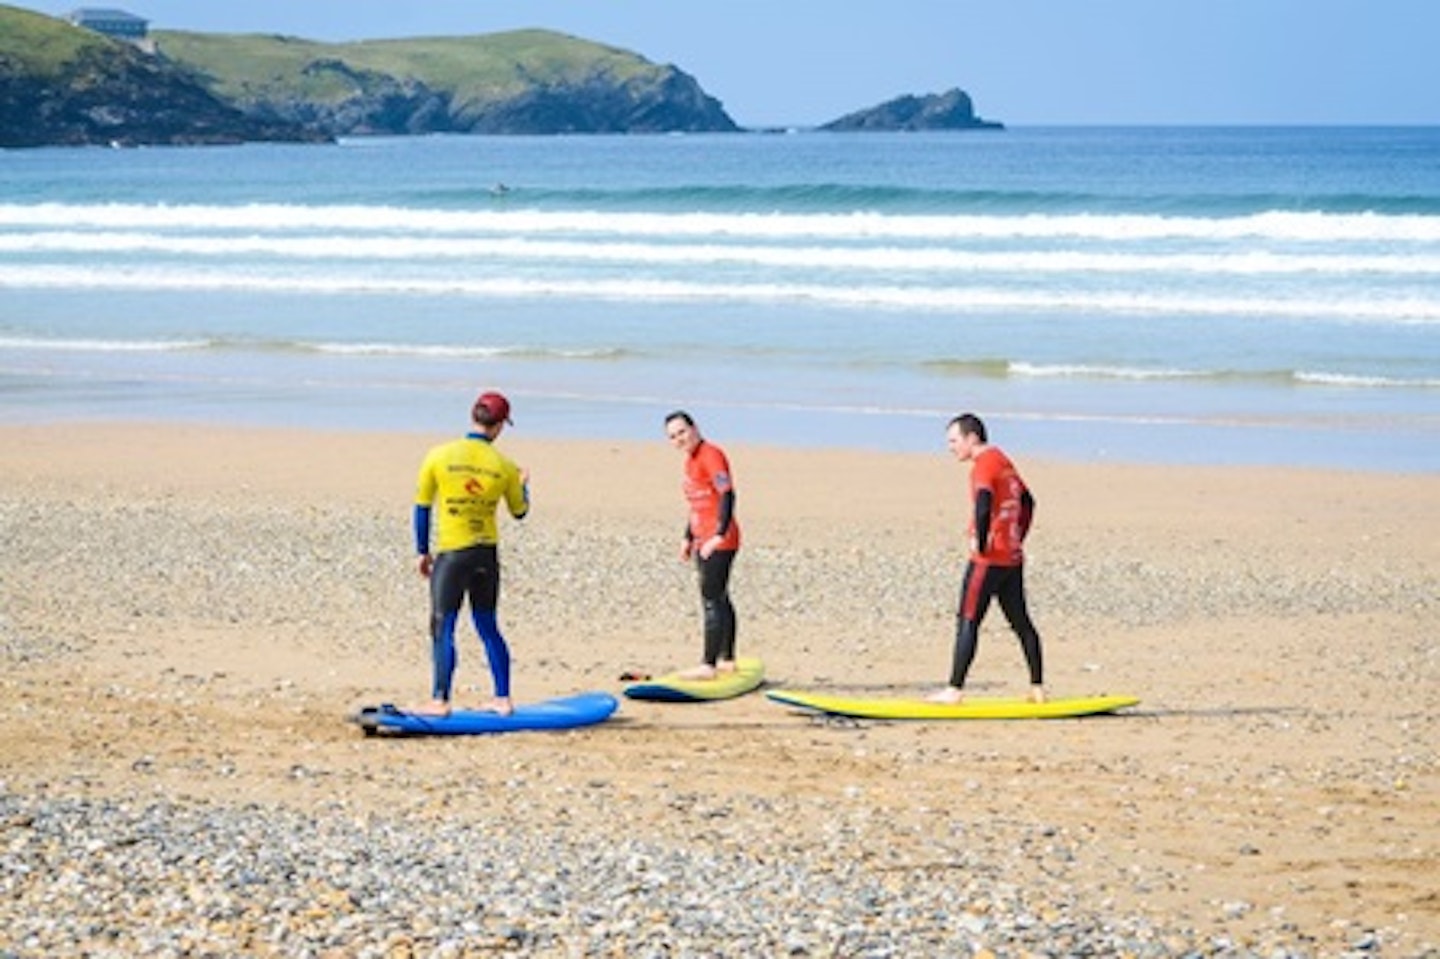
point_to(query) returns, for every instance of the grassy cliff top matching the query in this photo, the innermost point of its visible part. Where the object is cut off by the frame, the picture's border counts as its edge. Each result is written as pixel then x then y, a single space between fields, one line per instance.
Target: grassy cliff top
pixel 241 65
pixel 41 46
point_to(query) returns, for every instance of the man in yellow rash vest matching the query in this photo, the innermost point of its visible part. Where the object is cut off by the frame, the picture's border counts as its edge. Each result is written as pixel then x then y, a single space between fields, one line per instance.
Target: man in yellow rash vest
pixel 467 479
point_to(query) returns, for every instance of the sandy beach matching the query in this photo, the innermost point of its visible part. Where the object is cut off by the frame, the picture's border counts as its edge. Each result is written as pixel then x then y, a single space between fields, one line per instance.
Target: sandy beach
pixel 188 617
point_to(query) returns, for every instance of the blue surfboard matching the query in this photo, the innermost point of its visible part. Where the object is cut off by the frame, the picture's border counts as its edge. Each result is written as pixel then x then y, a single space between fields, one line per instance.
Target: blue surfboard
pixel 566 712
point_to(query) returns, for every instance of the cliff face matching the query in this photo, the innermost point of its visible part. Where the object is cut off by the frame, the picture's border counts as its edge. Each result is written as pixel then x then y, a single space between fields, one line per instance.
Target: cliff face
pixel 671 102
pixel 375 103
pixel 91 90
pixel 952 110
pixel 378 103
pixel 125 101
pixel 524 82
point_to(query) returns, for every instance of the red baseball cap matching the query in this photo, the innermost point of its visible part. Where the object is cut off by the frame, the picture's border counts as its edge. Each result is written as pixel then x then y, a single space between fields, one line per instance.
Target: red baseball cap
pixel 495 407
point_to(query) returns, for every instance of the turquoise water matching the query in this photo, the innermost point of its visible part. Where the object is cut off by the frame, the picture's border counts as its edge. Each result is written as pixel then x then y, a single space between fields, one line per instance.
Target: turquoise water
pixel 1168 295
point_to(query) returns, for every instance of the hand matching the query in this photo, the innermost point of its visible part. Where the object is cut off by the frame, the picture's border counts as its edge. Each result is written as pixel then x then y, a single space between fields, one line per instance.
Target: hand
pixel 687 548
pixel 710 546
pixel 427 563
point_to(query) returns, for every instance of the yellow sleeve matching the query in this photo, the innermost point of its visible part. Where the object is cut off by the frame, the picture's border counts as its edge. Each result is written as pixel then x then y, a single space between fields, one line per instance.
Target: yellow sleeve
pixel 425 484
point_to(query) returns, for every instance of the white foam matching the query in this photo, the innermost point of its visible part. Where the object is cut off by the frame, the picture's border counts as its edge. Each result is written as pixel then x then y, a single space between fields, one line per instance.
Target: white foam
pixel 879 259
pixel 100 345
pixel 1288 226
pixel 1364 306
pixel 1062 370
pixel 1369 382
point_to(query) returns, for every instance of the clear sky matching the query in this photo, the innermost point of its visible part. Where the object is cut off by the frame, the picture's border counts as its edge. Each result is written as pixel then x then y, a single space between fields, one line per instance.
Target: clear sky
pixel 1025 62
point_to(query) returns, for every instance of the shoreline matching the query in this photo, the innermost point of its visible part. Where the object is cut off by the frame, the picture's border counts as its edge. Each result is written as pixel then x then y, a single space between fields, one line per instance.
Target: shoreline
pixel 190 613
pixel 1350 450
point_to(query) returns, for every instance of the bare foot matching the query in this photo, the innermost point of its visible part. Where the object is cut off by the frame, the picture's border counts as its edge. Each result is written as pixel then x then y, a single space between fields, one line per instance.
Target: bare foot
pixel 500 706
pixel 699 672
pixel 1037 694
pixel 435 707
pixel 725 666
pixel 949 696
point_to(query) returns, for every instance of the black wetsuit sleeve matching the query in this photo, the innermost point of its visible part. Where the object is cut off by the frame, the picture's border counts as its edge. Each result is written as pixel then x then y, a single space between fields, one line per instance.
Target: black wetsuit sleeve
pixel 727 512
pixel 1027 513
pixel 984 501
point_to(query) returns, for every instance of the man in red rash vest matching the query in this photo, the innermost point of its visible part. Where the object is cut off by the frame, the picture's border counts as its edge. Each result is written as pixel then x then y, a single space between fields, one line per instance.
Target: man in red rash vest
pixel 1002 512
pixel 712 538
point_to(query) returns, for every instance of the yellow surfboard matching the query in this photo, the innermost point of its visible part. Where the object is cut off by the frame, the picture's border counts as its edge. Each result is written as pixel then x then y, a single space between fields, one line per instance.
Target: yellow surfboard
pixel 673 688
pixel 976 708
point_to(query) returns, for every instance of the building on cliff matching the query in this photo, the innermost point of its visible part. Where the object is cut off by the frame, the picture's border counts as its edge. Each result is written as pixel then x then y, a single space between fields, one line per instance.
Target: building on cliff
pixel 112 23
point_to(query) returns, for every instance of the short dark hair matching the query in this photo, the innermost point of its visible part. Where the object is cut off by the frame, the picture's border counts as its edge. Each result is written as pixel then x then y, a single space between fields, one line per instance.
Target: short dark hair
pixel 681 415
pixel 971 425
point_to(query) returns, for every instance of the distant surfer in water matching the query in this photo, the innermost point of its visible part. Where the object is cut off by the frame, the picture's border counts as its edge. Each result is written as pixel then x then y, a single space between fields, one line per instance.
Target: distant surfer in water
pixel 712 538
pixel 1002 509
pixel 468 478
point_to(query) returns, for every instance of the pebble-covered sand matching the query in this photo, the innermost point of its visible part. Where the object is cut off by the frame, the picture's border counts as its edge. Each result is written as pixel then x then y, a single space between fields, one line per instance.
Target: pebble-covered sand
pixel 187 620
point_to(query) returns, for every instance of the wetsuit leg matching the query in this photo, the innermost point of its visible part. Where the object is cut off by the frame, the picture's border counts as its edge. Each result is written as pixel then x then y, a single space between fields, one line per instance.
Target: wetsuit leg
pixel 442 647
pixel 976 588
pixel 720 625
pixel 1011 593
pixel 447 592
pixel 484 590
pixel 497 652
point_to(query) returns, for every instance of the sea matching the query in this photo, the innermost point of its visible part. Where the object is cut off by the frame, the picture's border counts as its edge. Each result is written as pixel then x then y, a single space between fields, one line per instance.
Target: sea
pixel 1192 296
